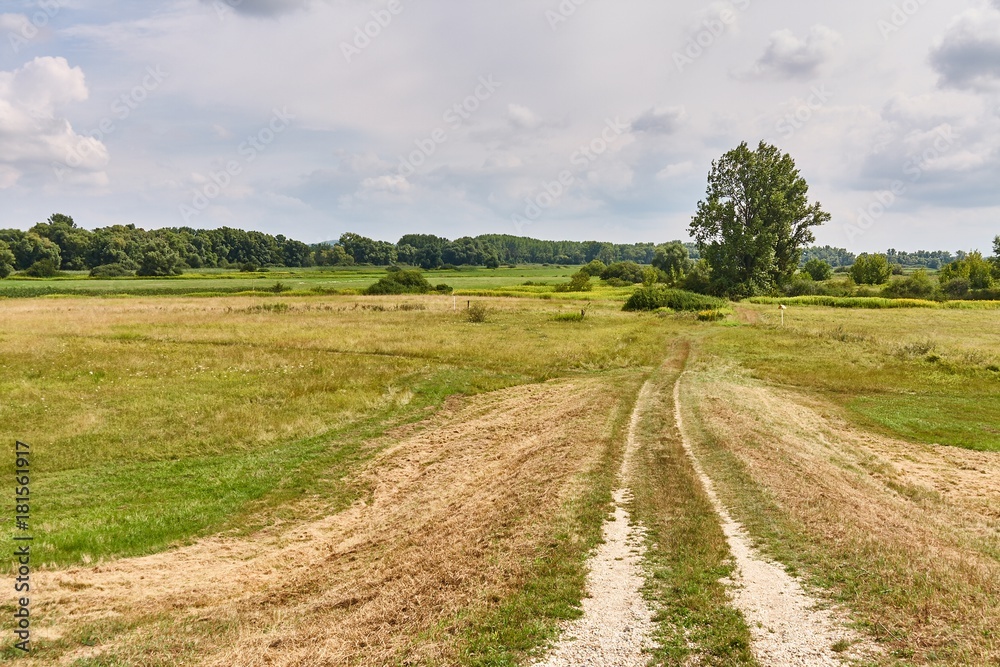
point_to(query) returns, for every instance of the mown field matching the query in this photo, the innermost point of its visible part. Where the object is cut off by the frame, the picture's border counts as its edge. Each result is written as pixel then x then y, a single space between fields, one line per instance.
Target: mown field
pixel 859 447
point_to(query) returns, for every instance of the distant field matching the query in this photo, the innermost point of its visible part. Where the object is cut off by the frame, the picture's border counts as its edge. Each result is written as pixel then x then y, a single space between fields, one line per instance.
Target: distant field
pixel 304 280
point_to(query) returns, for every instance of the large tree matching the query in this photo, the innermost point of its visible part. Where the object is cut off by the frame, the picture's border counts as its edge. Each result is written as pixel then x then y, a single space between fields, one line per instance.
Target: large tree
pixel 755 220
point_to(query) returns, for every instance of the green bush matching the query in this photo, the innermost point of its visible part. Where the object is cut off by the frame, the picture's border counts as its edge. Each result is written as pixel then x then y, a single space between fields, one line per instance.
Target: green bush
pixel 818 270
pixel 917 286
pixel 956 288
pixel 630 272
pixel 871 269
pixel 116 270
pixel 579 282
pixel 478 312
pixel 401 282
pixel 711 315
pixel 978 272
pixel 653 298
pixel 595 268
pixel 43 268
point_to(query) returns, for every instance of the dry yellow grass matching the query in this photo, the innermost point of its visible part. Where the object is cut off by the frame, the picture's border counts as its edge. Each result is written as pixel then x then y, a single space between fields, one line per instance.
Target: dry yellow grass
pixel 907 535
pixel 457 509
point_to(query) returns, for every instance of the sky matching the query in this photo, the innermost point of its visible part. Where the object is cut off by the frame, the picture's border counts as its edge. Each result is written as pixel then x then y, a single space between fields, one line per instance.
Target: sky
pixel 557 119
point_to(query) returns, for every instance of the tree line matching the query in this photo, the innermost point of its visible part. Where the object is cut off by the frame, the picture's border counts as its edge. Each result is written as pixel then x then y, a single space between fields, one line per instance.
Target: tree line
pixel 59 244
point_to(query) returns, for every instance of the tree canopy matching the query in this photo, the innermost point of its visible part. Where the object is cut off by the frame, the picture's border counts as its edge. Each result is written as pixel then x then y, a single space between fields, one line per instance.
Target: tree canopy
pixel 755 220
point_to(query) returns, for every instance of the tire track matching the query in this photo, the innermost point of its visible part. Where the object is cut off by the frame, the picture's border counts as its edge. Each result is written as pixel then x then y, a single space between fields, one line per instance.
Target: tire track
pixel 785 622
pixel 617 622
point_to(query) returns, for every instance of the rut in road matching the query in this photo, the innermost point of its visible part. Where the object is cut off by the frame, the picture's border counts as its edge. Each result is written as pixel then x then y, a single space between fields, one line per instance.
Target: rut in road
pixel 617 622
pixel 785 622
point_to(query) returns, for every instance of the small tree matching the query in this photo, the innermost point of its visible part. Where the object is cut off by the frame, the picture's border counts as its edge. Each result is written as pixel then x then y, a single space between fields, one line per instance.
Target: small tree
pixel 674 260
pixel 818 270
pixel 977 271
pixel 579 282
pixel 595 268
pixel 628 272
pixel 159 259
pixel 871 269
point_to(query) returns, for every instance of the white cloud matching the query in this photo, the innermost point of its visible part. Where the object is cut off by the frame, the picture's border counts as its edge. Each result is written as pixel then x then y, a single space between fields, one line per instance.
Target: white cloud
pixel 672 171
pixel 35 133
pixel 787 56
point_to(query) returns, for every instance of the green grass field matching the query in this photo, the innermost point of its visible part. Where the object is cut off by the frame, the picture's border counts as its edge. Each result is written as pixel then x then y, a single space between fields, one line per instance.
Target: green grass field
pixel 161 418
pixel 301 280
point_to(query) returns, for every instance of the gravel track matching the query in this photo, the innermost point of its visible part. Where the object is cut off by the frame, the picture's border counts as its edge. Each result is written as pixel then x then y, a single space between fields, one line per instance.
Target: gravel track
pixel 617 622
pixel 786 624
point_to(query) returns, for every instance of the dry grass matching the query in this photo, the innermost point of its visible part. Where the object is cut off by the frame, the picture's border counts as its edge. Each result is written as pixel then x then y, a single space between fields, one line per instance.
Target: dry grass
pixel 457 510
pixel 906 535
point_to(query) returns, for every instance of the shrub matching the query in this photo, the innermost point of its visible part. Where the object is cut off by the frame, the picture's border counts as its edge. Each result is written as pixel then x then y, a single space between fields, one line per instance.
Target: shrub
pixel 801 286
pixel 444 289
pixel 871 269
pixel 699 278
pixel 627 271
pixel 579 282
pixel 478 312
pixel 116 270
pixel 401 282
pixel 818 270
pixel 595 268
pixel 711 315
pixel 977 271
pixel 249 267
pixel 653 298
pixel 956 288
pixel 917 286
pixel 618 282
pixel 43 268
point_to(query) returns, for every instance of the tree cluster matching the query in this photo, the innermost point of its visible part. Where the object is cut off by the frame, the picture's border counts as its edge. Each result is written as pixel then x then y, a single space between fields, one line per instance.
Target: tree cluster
pixel 125 249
